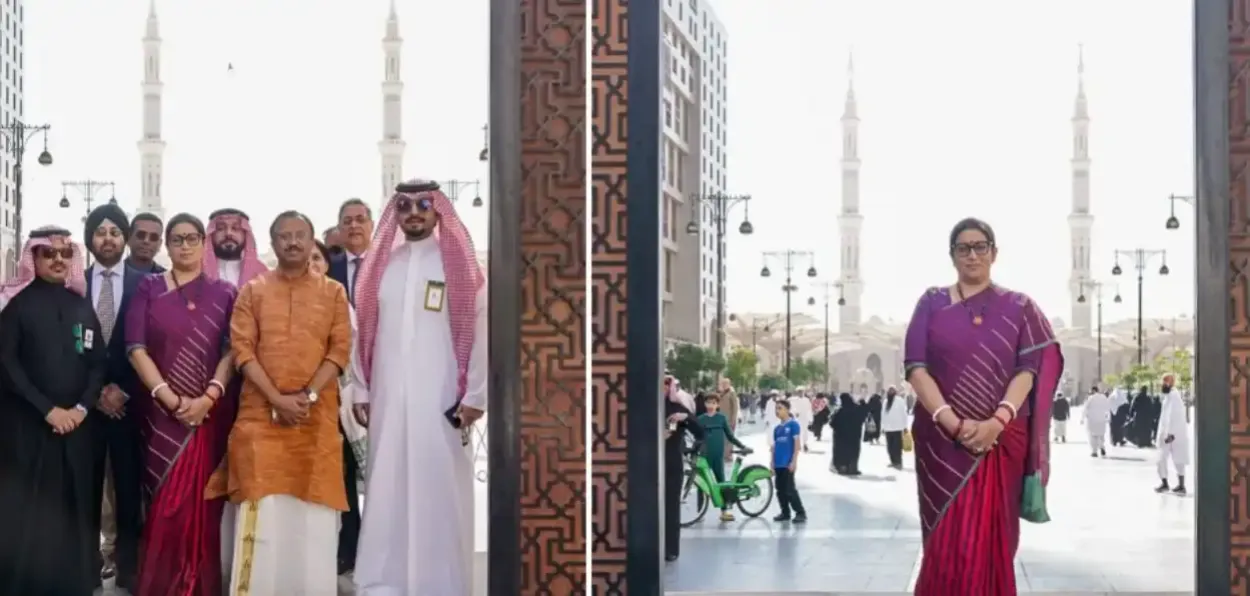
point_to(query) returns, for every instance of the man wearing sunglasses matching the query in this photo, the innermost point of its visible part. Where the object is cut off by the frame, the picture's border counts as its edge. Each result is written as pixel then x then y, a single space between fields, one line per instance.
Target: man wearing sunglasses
pixel 54 363
pixel 145 243
pixel 419 381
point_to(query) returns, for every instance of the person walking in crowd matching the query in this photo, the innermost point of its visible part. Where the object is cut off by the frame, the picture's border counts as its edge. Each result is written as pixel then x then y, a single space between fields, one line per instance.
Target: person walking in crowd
pixel 110 284
pixel 1119 416
pixel 1094 416
pixel 730 406
pixel 145 243
pixel 1173 436
pixel 234 255
pixel 894 424
pixel 421 369
pixel 848 429
pixel 1142 423
pixel 786 445
pixel 718 432
pixel 872 423
pixel 284 468
pixel 801 410
pixel 53 365
pixel 1061 411
pixel 177 336
pixel 680 422
pixel 981 422
pixel 820 415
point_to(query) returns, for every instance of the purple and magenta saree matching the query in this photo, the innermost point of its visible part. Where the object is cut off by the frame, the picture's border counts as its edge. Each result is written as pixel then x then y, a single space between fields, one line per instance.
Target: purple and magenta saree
pixel 181 549
pixel 970 505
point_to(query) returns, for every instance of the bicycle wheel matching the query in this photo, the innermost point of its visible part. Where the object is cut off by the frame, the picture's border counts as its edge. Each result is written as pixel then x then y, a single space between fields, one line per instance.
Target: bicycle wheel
pixel 757 495
pixel 693 502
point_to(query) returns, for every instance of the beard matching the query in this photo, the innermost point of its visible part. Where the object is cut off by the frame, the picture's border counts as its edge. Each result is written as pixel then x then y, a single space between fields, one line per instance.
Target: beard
pixel 1167 388
pixel 229 253
pixel 418 234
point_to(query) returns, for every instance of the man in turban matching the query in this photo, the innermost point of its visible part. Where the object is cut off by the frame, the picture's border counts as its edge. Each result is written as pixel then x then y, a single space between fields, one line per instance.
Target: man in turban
pixel 1173 436
pixel 420 370
pixel 110 283
pixel 53 363
pixel 234 256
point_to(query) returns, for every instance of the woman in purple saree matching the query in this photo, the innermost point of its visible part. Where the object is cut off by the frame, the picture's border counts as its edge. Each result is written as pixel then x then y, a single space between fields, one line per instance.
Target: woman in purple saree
pixel 985 364
pixel 176 332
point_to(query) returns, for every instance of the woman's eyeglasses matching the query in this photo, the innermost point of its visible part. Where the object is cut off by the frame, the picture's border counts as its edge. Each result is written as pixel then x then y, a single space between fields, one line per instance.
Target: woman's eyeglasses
pixel 981 249
pixel 49 253
pixel 405 205
pixel 191 240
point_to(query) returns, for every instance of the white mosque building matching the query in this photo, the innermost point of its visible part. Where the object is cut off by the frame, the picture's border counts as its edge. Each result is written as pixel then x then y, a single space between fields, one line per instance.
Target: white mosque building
pixel 871 352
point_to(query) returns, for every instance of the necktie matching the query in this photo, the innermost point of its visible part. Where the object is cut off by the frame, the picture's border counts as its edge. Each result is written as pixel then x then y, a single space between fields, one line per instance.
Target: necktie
pixel 105 310
pixel 351 283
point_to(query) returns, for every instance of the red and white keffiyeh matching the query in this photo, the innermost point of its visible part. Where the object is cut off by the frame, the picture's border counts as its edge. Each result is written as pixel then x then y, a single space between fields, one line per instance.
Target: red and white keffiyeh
pixel 464 278
pixel 77 280
pixel 251 265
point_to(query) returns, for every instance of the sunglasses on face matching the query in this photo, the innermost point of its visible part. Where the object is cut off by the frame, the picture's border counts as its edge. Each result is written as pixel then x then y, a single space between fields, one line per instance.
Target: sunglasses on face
pixel 186 240
pixel 143 236
pixel 49 253
pixel 406 205
pixel 981 249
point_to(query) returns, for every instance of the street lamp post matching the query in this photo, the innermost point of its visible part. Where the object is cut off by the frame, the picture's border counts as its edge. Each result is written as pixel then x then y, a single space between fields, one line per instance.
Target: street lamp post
pixel 1096 286
pixel 755 330
pixel 87 188
pixel 721 204
pixel 484 155
pixel 1173 223
pixel 17 134
pixel 827 287
pixel 1141 258
pixel 453 188
pixel 787 257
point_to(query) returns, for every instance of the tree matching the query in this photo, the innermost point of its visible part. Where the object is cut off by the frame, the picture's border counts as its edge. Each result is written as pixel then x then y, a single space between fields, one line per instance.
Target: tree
pixel 1179 363
pixel 740 368
pixel 770 381
pixel 694 366
pixel 806 372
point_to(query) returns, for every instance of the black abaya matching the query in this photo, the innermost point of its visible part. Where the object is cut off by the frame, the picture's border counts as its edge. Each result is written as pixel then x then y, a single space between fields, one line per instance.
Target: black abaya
pixel 674 474
pixel 51 355
pixel 872 431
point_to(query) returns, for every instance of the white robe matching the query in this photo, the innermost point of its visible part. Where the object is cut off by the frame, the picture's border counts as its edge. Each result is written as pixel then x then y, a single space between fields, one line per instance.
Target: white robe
pixel 1172 422
pixel 229 271
pixel 1097 412
pixel 801 409
pixel 417 530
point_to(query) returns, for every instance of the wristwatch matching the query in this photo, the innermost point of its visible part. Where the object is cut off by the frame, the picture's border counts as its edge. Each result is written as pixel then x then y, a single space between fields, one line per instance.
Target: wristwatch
pixel 312 395
pixel 80 408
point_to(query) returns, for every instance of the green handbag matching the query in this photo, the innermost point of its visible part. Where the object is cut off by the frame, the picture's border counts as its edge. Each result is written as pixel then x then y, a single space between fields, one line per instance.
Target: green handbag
pixel 1033 500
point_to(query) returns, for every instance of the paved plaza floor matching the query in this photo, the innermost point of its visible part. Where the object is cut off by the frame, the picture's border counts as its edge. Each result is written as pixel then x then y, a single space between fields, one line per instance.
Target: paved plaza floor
pixel 1110 532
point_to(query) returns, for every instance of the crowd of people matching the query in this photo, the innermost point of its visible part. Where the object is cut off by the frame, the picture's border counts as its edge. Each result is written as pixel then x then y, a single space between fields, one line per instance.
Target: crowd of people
pixel 213 420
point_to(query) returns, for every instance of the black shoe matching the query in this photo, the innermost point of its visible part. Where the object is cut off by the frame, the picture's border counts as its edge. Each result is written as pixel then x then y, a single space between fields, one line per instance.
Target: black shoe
pixel 1180 490
pixel 1095 454
pixel 670 558
pixel 1162 488
pixel 1102 452
pixel 781 517
pixel 108 571
pixel 346 567
pixel 800 519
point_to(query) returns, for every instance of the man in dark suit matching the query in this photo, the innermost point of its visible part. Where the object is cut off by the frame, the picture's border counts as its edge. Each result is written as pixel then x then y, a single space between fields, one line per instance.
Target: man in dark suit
pixel 110 283
pixel 145 243
pixel 355 230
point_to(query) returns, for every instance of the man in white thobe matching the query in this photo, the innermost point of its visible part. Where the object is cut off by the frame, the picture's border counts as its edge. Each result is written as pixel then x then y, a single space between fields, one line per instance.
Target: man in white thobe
pixel 421 370
pixel 1173 435
pixel 1096 413
pixel 801 409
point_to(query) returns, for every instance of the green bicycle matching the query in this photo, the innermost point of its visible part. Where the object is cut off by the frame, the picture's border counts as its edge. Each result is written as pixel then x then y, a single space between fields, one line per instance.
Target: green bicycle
pixel 750 484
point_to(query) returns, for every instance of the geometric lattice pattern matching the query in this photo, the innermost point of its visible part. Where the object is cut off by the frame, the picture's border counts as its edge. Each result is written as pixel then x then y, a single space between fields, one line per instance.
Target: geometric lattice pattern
pixel 1239 332
pixel 608 274
pixel 553 296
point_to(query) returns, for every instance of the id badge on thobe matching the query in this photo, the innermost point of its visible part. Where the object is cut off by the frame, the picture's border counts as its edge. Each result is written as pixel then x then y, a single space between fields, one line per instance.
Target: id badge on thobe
pixel 435 291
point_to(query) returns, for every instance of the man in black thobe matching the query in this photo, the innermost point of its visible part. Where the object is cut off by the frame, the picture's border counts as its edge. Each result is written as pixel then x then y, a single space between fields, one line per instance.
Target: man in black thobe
pixel 118 453
pixel 52 366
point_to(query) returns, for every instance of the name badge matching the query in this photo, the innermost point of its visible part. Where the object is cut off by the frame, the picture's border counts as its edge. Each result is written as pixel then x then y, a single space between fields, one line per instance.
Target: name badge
pixel 88 338
pixel 434 293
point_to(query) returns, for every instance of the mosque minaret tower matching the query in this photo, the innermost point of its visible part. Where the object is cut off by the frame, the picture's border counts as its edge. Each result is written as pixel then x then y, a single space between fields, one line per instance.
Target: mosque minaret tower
pixel 1081 221
pixel 392 144
pixel 850 222
pixel 151 145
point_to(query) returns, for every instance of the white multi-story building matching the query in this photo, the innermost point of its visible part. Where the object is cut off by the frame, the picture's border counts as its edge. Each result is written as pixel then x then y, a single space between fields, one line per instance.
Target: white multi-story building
pixel 13 22
pixel 693 156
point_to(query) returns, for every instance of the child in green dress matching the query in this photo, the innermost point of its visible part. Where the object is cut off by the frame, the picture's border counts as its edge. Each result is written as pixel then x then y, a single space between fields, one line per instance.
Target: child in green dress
pixel 716 426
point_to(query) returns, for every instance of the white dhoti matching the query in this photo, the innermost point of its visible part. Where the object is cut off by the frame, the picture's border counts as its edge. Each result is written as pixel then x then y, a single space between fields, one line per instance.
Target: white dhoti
pixel 280 546
pixel 1061 429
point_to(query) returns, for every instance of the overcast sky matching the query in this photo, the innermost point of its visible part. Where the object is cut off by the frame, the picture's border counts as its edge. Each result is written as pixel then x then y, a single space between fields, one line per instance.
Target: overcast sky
pixel 965 110
pixel 295 126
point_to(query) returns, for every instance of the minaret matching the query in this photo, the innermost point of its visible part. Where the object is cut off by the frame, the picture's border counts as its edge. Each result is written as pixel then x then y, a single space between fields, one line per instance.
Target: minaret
pixel 850 222
pixel 151 145
pixel 392 144
pixel 1081 222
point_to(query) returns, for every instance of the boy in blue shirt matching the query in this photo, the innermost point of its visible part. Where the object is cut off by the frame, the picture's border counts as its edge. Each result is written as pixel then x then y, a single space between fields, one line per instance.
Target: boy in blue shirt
pixel 786 446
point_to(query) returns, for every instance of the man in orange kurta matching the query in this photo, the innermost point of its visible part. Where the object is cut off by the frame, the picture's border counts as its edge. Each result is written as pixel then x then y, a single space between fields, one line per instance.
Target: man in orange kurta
pixel 291 335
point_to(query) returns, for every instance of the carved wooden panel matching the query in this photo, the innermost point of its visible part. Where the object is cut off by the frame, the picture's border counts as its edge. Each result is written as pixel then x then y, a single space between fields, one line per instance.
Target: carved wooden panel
pixel 553 294
pixel 1239 289
pixel 608 274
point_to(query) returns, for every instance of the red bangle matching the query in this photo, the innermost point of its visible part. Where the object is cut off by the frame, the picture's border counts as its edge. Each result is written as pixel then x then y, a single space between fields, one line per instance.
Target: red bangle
pixel 958 430
pixel 1011 414
pixel 1001 421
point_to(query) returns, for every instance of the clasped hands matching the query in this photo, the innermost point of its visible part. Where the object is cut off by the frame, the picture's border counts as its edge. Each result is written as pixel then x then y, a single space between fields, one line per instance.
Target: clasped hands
pixel 190 411
pixel 977 437
pixel 290 409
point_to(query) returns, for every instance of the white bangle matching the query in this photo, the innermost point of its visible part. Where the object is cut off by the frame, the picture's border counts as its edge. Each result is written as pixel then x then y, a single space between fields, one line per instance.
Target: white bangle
pixel 218 384
pixel 1009 407
pixel 938 412
pixel 157 389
